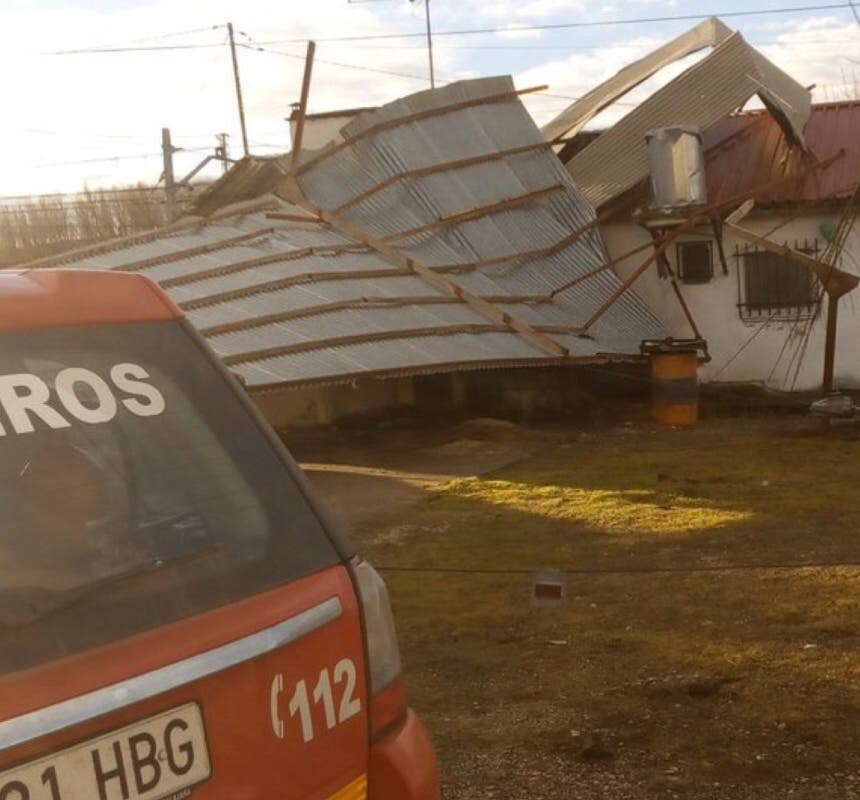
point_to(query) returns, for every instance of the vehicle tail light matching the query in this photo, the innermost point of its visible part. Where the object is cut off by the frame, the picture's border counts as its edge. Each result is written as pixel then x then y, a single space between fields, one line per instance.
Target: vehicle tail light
pixel 387 696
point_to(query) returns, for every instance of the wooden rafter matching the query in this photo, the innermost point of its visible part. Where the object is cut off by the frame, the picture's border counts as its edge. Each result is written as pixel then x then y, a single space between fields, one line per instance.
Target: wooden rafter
pixel 501 97
pixel 191 252
pixel 490 311
pixel 168 231
pixel 707 214
pixel 293 280
pixel 476 213
pixel 358 303
pixel 434 169
pixel 836 282
pixel 378 336
pixel 261 261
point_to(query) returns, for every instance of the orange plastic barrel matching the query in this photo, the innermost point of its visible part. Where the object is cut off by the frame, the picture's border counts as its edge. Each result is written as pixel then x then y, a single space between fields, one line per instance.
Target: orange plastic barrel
pixel 675 388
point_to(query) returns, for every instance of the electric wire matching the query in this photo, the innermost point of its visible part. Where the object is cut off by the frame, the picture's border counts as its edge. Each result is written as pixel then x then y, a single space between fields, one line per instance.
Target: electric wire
pixel 580 24
pixel 488 30
pixel 619 570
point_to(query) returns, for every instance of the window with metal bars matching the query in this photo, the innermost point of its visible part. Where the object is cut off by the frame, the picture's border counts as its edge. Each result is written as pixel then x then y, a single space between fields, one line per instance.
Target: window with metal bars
pixel 771 285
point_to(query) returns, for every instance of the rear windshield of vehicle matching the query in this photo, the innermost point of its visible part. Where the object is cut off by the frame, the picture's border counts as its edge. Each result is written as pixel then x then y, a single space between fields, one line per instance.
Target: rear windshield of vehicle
pixel 135 490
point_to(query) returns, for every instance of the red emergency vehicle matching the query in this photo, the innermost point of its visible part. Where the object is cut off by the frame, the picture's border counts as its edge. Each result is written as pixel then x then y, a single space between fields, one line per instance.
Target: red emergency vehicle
pixel 179 616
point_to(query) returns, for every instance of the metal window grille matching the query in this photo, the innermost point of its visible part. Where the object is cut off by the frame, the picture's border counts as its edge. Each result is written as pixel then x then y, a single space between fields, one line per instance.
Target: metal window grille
pixel 695 261
pixel 771 285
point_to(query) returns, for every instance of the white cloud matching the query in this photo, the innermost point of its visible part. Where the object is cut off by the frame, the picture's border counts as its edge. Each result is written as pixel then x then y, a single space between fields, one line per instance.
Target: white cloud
pixel 71 108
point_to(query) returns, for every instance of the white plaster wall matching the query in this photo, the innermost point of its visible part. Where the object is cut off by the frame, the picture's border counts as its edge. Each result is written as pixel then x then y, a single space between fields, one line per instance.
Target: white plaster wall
pixel 766 359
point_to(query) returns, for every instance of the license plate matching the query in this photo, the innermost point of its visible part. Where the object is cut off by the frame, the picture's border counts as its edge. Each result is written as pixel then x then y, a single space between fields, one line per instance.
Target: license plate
pixel 160 757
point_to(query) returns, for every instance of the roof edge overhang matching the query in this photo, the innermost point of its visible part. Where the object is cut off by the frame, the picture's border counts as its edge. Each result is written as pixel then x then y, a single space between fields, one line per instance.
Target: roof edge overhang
pixel 601 359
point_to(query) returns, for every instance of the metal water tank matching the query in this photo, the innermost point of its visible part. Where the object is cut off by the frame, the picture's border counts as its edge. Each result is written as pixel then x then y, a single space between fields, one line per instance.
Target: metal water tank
pixel 677 167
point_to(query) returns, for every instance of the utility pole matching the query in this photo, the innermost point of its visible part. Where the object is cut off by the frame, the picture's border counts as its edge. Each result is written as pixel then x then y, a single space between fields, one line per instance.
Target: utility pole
pixel 169 180
pixel 429 42
pixel 222 151
pixel 238 87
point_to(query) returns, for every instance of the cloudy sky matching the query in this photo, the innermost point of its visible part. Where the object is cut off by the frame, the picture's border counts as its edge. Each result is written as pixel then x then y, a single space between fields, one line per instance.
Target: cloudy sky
pixel 95 117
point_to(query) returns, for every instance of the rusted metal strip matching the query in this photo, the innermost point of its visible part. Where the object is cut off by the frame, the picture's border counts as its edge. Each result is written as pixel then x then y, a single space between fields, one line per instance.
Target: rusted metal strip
pixel 191 252
pixel 501 97
pixel 377 336
pixel 358 303
pixel 477 212
pixel 251 263
pixel 434 169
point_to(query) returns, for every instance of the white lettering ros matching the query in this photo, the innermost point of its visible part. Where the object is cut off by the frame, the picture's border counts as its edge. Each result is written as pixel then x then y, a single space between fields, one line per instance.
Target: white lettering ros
pixel 83 395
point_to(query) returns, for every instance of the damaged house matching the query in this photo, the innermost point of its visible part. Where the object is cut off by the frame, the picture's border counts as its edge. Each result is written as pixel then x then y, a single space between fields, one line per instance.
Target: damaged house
pixel 748 216
pixel 436 242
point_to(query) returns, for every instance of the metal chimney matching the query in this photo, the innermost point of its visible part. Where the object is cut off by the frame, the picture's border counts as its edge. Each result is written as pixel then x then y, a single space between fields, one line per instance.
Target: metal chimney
pixel 677 167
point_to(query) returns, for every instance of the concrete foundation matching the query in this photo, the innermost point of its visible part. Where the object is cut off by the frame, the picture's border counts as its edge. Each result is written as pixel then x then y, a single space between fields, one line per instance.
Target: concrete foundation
pixel 525 394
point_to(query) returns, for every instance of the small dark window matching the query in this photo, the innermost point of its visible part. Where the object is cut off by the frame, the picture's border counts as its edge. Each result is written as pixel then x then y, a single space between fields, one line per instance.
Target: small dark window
pixel 773 283
pixel 695 262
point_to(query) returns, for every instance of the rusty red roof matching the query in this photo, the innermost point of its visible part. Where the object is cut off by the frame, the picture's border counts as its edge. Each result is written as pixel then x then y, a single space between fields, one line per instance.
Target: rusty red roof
pixel 749 149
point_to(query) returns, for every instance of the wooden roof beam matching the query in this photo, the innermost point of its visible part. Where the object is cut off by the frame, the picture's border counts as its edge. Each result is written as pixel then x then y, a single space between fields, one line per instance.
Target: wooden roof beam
pixel 358 303
pixel 293 190
pixel 434 169
pixel 293 280
pixel 251 263
pixel 191 252
pixel 477 213
pixel 501 97
pixel 376 336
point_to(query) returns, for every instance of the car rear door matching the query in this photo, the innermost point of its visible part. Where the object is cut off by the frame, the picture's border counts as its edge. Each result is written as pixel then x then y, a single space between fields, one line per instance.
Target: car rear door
pixel 175 620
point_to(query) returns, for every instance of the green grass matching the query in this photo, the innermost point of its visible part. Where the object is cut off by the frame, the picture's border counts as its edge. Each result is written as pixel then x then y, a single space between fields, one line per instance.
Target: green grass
pixel 780 645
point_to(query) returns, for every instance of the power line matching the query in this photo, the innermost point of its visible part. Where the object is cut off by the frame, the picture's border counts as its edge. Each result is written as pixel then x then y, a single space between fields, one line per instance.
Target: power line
pixel 568 25
pixel 105 159
pixel 152 49
pixel 477 31
pixel 261 49
pixel 569 47
pixel 669 570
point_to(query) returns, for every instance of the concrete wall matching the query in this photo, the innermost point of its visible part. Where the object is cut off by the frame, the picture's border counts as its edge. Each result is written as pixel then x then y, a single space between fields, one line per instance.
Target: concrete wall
pixel 518 394
pixel 767 358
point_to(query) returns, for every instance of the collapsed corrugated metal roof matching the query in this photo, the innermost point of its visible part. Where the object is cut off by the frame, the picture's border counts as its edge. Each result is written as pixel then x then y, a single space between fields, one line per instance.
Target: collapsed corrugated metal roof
pixel 567 124
pixel 441 233
pixel 701 96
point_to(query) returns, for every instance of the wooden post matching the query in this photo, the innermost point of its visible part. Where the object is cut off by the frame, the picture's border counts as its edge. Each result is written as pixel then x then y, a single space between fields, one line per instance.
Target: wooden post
pixel 830 344
pixel 238 83
pixel 303 104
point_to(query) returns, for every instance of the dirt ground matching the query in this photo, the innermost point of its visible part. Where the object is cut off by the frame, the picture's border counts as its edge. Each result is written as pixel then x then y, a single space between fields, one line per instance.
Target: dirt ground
pixel 693 657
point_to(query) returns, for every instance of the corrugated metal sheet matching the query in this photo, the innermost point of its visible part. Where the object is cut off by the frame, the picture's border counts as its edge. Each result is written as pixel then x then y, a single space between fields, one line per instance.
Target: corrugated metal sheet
pixel 748 150
pixel 406 204
pixel 701 97
pixel 706 34
pixel 296 302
